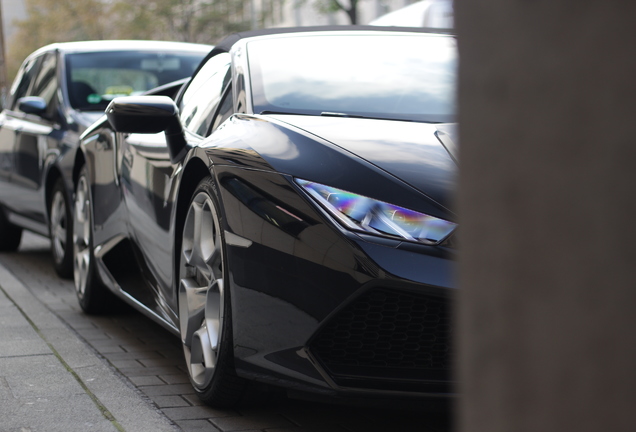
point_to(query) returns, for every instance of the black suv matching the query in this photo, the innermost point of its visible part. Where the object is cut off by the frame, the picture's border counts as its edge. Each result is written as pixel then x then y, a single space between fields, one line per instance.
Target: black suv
pixel 59 91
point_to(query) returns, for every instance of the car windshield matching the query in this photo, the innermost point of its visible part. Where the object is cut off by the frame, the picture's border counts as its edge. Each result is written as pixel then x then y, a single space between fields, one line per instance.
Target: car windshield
pixel 94 79
pixel 393 76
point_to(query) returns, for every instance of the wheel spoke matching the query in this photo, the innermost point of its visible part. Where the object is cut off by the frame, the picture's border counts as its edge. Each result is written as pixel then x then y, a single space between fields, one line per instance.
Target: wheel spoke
pixel 80 205
pixel 60 234
pixel 192 234
pixel 191 308
pixel 81 261
pixel 214 313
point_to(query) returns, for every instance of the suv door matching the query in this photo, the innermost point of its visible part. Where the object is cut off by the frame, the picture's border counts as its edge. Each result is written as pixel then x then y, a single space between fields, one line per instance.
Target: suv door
pixel 10 124
pixel 38 135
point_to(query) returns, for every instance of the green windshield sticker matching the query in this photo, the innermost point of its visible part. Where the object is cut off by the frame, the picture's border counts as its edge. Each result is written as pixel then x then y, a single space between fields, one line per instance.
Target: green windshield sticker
pixel 94 98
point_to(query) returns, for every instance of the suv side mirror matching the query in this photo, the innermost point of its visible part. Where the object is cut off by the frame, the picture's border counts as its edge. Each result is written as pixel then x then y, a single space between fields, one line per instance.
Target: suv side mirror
pixel 32 105
pixel 149 115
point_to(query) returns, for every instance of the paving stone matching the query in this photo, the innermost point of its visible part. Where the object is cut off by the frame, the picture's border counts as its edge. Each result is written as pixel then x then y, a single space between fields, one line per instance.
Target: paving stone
pixel 125 363
pixel 176 379
pixel 160 337
pixel 168 389
pixel 170 401
pixel 37 377
pixel 242 423
pixel 16 347
pixel 141 371
pixel 131 356
pixel 176 353
pixel 76 323
pixel 93 334
pixel 146 380
pixel 197 426
pixel 105 344
pixel 123 341
pixel 109 349
pixel 193 399
pixel 143 348
pixel 161 362
pixel 197 412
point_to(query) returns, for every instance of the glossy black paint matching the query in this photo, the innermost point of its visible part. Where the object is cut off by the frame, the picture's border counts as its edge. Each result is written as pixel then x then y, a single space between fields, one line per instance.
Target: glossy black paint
pixel 142 114
pixel 38 139
pixel 149 115
pixel 361 164
pixel 292 268
pixel 32 105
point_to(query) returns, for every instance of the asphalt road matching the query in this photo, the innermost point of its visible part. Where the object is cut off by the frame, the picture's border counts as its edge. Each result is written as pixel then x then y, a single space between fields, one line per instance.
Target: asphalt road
pixel 148 357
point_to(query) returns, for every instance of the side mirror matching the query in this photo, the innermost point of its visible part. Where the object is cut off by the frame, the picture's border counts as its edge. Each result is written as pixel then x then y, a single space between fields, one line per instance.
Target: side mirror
pixel 32 105
pixel 149 115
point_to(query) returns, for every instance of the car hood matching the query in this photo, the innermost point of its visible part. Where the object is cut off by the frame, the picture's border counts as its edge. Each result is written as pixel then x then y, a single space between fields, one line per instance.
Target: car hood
pixel 421 154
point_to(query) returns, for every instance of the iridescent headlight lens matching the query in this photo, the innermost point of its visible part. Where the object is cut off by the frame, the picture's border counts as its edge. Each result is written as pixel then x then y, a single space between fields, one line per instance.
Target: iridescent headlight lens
pixel 360 213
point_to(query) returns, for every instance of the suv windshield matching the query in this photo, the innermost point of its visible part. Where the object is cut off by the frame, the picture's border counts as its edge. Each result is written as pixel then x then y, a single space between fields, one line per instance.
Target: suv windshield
pixel 392 76
pixel 94 79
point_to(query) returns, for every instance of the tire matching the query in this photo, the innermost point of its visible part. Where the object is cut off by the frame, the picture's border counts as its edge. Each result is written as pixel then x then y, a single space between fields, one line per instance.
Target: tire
pixel 61 230
pixel 205 316
pixel 10 235
pixel 93 296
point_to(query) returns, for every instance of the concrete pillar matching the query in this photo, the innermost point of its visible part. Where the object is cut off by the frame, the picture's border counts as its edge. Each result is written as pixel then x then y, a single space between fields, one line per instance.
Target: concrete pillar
pixel 547 309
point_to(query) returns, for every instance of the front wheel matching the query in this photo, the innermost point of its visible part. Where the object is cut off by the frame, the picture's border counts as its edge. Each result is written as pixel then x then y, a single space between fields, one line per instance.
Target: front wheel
pixel 204 306
pixel 61 230
pixel 92 295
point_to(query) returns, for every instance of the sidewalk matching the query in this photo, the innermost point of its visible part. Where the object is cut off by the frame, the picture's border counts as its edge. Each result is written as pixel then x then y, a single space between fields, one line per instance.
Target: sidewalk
pixel 51 381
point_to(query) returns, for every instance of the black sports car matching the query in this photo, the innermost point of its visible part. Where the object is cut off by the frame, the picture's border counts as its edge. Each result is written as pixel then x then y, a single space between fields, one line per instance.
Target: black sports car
pixel 288 216
pixel 59 91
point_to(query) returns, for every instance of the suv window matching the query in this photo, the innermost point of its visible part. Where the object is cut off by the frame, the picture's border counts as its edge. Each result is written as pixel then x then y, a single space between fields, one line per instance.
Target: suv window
pixel 23 80
pixel 45 84
pixel 202 96
pixel 96 78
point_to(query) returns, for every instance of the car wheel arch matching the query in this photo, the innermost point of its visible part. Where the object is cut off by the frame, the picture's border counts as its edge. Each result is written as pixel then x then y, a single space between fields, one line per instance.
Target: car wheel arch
pixel 52 177
pixel 194 171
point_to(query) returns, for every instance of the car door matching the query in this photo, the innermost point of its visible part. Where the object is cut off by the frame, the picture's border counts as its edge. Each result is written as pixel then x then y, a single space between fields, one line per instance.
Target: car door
pixel 37 136
pixel 10 124
pixel 149 179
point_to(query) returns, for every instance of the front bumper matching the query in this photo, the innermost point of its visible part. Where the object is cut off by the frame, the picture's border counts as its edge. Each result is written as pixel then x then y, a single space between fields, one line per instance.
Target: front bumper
pixel 316 308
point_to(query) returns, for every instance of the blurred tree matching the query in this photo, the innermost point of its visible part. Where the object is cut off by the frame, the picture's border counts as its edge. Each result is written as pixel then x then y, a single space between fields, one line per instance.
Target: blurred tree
pixel 51 21
pixel 181 20
pixel 350 7
pixel 48 21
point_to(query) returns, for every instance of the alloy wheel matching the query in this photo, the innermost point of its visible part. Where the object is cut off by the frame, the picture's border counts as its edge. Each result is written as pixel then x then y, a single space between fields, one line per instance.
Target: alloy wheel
pixel 201 294
pixel 81 236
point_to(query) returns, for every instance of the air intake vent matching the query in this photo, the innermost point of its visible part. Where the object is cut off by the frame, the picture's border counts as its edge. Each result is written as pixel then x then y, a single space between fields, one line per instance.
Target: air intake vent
pixel 388 335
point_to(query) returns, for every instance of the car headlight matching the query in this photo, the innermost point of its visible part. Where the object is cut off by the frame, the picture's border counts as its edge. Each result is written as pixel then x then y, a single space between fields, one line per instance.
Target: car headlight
pixel 368 215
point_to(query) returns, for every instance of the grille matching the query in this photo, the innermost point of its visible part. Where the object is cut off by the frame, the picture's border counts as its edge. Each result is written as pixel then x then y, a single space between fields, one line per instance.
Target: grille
pixel 387 334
